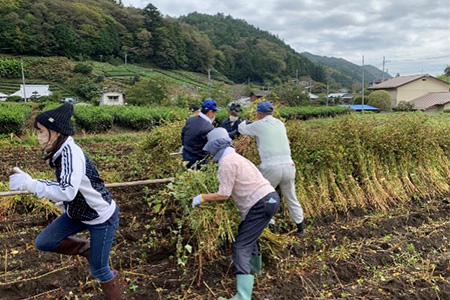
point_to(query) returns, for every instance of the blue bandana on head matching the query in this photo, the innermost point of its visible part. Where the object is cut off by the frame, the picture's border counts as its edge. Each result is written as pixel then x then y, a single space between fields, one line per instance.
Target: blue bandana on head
pixel 218 147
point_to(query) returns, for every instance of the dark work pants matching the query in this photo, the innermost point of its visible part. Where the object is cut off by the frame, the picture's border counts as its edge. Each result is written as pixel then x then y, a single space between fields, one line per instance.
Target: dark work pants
pixel 250 229
pixel 193 160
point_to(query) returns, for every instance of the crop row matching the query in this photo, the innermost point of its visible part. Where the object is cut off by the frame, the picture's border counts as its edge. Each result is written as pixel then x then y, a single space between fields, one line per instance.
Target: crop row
pixel 13 117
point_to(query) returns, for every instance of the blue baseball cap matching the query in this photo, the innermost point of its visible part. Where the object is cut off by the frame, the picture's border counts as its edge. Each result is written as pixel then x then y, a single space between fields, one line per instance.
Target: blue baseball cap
pixel 209 104
pixel 265 107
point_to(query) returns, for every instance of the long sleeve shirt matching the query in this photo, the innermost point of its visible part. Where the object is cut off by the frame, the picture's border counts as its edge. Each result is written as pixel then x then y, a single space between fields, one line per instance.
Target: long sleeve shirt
pixel 78 185
pixel 271 139
pixel 240 179
pixel 193 135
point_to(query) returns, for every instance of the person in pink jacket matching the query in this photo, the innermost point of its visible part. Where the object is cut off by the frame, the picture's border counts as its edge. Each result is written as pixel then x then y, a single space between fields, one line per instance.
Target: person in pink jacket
pixel 255 199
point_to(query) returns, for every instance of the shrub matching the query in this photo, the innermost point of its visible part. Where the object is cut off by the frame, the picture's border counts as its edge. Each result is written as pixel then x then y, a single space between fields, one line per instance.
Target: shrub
pixel 93 119
pixel 82 68
pixel 13 117
pixel 14 99
pixel 380 99
pixel 405 106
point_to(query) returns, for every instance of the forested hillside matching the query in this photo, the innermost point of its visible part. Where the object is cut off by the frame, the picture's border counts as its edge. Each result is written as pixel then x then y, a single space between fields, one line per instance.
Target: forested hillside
pixel 345 72
pixel 105 30
pixel 252 53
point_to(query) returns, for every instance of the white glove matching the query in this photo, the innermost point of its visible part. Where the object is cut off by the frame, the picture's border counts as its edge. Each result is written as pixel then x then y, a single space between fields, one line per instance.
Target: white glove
pixel 21 181
pixel 197 200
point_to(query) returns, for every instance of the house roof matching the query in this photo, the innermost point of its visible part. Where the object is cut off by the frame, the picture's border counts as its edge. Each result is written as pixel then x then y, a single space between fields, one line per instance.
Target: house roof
pixel 243 101
pixel 399 81
pixel 359 107
pixel 3 95
pixel 312 96
pixel 336 95
pixel 340 95
pixel 33 89
pixel 260 94
pixel 429 100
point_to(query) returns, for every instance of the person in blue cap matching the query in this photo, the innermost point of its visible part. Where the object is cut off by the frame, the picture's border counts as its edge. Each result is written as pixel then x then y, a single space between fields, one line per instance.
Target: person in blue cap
pixel 277 165
pixel 193 134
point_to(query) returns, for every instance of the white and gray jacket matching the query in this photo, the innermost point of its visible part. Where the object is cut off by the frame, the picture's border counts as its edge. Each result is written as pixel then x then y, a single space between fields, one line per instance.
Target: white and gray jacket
pixel 78 185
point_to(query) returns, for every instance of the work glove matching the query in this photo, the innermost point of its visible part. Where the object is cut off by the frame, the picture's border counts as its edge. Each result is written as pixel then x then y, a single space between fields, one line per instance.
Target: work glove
pixel 21 181
pixel 197 200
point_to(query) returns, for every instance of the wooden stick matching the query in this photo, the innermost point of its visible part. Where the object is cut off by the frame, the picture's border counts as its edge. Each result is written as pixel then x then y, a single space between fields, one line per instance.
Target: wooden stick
pixel 108 185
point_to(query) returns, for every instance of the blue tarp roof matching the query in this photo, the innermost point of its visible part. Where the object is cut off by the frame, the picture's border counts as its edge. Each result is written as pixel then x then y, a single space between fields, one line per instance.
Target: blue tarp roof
pixel 360 107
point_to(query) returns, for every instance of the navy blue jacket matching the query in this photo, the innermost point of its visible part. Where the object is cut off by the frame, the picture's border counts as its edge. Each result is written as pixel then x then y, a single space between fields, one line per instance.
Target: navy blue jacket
pixel 231 128
pixel 193 136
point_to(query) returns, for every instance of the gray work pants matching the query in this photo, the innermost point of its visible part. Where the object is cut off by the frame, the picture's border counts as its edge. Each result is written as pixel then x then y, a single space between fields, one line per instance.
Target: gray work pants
pixel 246 243
pixel 284 176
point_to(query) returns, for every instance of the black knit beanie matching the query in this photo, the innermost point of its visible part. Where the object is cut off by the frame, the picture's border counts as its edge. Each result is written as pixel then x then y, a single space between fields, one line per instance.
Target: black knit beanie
pixel 58 119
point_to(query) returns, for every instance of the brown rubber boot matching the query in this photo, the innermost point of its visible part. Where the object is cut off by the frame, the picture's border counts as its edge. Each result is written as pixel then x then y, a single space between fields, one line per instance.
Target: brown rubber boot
pixel 73 245
pixel 111 289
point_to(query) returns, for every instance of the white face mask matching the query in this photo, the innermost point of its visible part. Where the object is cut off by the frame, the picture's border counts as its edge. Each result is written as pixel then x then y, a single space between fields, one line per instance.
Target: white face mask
pixel 43 140
pixel 233 119
pixel 45 137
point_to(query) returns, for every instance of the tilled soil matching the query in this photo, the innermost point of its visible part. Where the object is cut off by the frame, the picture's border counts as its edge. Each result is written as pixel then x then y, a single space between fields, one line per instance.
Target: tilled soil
pixel 402 254
pixel 399 254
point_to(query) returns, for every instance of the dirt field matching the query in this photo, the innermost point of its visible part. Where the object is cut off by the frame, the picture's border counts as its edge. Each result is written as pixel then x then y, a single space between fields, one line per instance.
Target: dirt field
pixel 400 254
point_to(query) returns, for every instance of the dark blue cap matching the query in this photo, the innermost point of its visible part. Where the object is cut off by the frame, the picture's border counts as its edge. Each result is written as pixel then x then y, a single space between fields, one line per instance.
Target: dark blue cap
pixel 209 104
pixel 265 107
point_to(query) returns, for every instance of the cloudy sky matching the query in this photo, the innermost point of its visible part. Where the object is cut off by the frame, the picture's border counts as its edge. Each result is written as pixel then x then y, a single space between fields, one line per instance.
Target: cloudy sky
pixel 412 35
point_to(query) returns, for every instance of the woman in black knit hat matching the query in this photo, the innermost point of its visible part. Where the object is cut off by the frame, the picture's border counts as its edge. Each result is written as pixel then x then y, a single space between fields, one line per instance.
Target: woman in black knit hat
pixel 81 193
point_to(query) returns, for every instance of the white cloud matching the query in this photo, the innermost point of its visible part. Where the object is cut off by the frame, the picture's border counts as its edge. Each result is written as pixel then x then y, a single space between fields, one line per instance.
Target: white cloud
pixel 413 35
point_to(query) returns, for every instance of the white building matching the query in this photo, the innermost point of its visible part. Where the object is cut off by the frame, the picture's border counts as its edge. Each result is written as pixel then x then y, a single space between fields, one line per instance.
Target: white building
pixel 112 98
pixel 313 97
pixel 33 90
pixel 3 96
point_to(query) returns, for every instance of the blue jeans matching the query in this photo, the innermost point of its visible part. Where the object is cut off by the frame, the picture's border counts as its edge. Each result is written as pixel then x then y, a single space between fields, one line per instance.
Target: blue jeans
pixel 250 229
pixel 102 236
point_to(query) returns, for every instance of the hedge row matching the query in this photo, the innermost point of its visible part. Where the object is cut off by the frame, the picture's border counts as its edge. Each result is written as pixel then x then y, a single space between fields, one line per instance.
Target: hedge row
pixel 309 112
pixel 101 119
pixel 13 117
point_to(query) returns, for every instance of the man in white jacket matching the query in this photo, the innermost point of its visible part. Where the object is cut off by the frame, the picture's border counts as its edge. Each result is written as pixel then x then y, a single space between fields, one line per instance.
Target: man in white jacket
pixel 276 162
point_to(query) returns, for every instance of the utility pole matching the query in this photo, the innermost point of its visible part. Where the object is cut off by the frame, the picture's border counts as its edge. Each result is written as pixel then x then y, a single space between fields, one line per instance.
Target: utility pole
pixel 384 62
pixel 126 54
pixel 209 82
pixel 362 107
pixel 296 76
pixel 327 91
pixel 23 81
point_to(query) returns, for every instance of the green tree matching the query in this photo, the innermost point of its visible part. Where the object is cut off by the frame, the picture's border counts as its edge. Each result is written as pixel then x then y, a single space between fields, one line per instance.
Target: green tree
pixel 380 99
pixel 10 68
pixel 290 94
pixel 149 91
pixel 221 93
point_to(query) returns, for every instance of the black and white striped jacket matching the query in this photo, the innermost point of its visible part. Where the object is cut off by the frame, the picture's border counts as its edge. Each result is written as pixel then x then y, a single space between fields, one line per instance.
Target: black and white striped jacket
pixel 78 185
